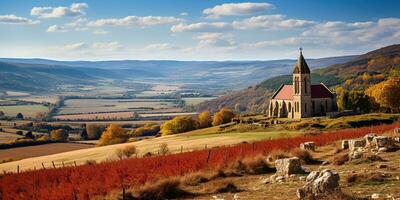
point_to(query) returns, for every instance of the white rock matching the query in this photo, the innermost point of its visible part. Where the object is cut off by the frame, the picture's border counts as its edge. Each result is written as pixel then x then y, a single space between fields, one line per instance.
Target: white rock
pixel 288 166
pixel 308 146
pixel 353 144
pixel 376 196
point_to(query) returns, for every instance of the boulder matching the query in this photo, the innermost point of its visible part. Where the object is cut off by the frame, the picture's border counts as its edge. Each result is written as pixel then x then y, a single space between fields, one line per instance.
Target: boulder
pixel 382 141
pixel 355 155
pixel 396 131
pixel 319 184
pixel 308 146
pixel 288 166
pixel 345 144
pixel 357 143
pixel 368 138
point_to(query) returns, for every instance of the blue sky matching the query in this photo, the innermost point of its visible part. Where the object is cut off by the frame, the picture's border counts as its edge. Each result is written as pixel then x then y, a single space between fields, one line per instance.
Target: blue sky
pixel 195 30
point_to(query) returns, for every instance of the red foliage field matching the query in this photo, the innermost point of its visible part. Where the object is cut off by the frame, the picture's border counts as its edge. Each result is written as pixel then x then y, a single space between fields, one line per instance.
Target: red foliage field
pixel 87 181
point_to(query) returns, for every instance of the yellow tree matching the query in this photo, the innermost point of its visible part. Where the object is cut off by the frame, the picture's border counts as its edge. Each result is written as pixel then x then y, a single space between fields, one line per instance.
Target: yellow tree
pixel 179 124
pixel 386 93
pixel 223 116
pixel 113 134
pixel 204 119
pixel 59 135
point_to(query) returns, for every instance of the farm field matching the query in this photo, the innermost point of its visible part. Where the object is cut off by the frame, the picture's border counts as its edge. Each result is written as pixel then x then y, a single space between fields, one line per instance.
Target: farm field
pixel 26 110
pixel 189 141
pixel 41 150
pixel 78 106
pixel 96 116
pixel 192 101
pixel 8 137
pixel 40 99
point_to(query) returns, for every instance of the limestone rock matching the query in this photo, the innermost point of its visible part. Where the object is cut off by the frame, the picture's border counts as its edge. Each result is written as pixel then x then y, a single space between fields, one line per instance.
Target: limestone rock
pixel 288 166
pixel 376 196
pixel 354 144
pixel 345 144
pixel 308 146
pixel 382 141
pixel 396 131
pixel 319 184
pixel 368 138
pixel 355 155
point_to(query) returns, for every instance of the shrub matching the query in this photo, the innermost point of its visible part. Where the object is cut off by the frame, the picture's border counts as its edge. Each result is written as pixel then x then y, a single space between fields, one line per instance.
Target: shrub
pixel 130 150
pixel 340 159
pixel 119 153
pixel 224 187
pixel 165 189
pixel 204 119
pixel 43 138
pixel 94 131
pixel 19 116
pixel 146 130
pixel 113 134
pixel 304 155
pixel 179 124
pixel 29 135
pixel 59 135
pixel 163 149
pixel 223 116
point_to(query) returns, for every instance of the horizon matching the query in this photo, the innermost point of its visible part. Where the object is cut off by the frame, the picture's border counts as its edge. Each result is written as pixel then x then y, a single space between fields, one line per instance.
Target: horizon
pixel 195 31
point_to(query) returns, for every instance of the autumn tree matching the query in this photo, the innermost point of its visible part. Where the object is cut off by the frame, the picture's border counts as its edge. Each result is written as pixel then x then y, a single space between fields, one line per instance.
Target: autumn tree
pixel 113 134
pixel 179 124
pixel 94 131
pixel 386 93
pixel 223 116
pixel 163 149
pixel 60 135
pixel 204 119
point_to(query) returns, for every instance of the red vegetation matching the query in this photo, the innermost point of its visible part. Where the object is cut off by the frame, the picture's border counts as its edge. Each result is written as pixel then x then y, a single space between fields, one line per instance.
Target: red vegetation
pixel 85 182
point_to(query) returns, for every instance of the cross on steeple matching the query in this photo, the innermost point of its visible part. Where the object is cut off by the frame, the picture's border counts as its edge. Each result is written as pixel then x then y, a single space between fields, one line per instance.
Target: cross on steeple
pixel 301 50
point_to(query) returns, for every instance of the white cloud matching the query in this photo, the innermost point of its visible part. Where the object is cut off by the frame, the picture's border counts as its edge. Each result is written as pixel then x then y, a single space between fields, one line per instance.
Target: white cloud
pixel 100 32
pixel 74 47
pixel 271 22
pixel 107 46
pixel 76 9
pixel 94 47
pixel 219 41
pixel 13 19
pixel 235 9
pixel 184 14
pixel 202 27
pixel 135 20
pixel 56 28
pixel 161 46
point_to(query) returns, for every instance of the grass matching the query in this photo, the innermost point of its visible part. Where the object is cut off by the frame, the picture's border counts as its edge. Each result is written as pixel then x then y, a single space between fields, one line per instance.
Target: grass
pixel 26 110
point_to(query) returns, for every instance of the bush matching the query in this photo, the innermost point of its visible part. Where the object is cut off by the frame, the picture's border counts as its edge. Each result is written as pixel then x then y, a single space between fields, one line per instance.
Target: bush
pixel 163 149
pixel 59 135
pixel 179 124
pixel 130 150
pixel 204 119
pixel 164 189
pixel 94 131
pixel 223 116
pixel 146 130
pixel 304 155
pixel 113 134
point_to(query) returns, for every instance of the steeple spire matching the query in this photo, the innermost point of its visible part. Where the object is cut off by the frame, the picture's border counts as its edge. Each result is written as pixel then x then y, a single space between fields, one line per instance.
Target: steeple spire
pixel 301 66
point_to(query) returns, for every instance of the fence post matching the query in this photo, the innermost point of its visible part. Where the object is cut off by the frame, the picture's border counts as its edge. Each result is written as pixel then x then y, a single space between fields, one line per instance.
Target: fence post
pixel 209 155
pixel 54 166
pixel 43 166
pixel 17 169
pixel 75 163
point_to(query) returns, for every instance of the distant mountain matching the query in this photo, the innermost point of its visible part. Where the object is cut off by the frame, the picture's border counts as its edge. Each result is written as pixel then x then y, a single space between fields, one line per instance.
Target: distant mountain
pixel 211 76
pixel 256 98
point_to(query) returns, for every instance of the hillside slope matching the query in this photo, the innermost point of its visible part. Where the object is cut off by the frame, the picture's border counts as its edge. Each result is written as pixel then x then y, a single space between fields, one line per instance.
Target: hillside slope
pixel 256 98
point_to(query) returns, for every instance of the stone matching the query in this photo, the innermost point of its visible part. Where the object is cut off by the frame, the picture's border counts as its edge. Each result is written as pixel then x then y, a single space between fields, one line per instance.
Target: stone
pixel 383 149
pixel 279 178
pixel 381 166
pixel 308 146
pixel 288 166
pixel 354 144
pixel 368 138
pixel 345 144
pixel 382 141
pixel 355 155
pixel 319 184
pixel 396 139
pixel 325 163
pixel 376 196
pixel 396 131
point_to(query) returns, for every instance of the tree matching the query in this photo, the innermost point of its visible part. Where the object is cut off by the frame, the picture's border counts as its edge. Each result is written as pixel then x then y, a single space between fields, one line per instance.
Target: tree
pixel 342 99
pixel 94 131
pixel 386 93
pixel 1 113
pixel 113 134
pixel 29 135
pixel 358 101
pixel 84 135
pixel 204 119
pixel 179 124
pixel 59 135
pixel 223 116
pixel 19 116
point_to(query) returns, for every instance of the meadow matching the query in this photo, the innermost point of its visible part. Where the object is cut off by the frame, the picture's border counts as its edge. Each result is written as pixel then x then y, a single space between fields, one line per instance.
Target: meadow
pixel 89 181
pixel 26 110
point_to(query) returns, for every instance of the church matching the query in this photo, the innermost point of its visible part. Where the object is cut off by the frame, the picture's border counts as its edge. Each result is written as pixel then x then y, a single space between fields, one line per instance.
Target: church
pixel 301 99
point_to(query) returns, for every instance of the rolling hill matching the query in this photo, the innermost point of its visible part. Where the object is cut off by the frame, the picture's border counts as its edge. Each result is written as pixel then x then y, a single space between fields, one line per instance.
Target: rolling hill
pixel 256 98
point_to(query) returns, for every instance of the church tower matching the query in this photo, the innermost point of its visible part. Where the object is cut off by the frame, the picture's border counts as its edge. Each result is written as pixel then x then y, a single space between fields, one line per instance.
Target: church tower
pixel 302 103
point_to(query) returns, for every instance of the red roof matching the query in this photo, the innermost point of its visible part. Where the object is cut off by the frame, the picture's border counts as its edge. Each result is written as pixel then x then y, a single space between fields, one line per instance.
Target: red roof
pixel 285 92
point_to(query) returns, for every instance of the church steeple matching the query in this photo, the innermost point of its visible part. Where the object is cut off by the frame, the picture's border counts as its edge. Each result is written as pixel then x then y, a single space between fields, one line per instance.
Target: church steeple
pixel 301 66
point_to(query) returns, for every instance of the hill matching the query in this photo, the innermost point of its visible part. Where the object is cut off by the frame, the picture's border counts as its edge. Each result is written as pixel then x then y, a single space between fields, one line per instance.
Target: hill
pixel 380 62
pixel 208 76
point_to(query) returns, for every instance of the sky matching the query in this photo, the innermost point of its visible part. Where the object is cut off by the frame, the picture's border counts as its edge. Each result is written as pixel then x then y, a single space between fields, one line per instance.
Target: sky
pixel 195 29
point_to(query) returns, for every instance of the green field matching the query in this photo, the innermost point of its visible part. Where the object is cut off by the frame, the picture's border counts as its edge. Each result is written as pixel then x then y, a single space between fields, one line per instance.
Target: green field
pixel 26 110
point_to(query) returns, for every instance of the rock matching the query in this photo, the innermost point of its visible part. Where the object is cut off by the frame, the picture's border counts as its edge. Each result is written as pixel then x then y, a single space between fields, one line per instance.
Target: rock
pixel 396 131
pixel 325 163
pixel 279 178
pixel 355 155
pixel 381 166
pixel 368 138
pixel 319 184
pixel 345 144
pixel 376 196
pixel 383 149
pixel 354 144
pixel 288 166
pixel 308 146
pixel 382 141
pixel 396 139
pixel 302 178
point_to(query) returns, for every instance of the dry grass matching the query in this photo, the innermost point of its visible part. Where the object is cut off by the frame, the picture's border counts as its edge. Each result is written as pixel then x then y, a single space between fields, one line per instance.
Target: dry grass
pixel 367 177
pixel 224 187
pixel 340 158
pixel 163 189
pixel 277 154
pixel 304 155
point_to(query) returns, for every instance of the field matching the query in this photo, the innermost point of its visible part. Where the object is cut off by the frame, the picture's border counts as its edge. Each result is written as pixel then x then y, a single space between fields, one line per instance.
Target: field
pixel 88 181
pixel 195 140
pixel 95 116
pixel 40 99
pixel 8 137
pixel 40 150
pixel 192 101
pixel 26 110
pixel 78 106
